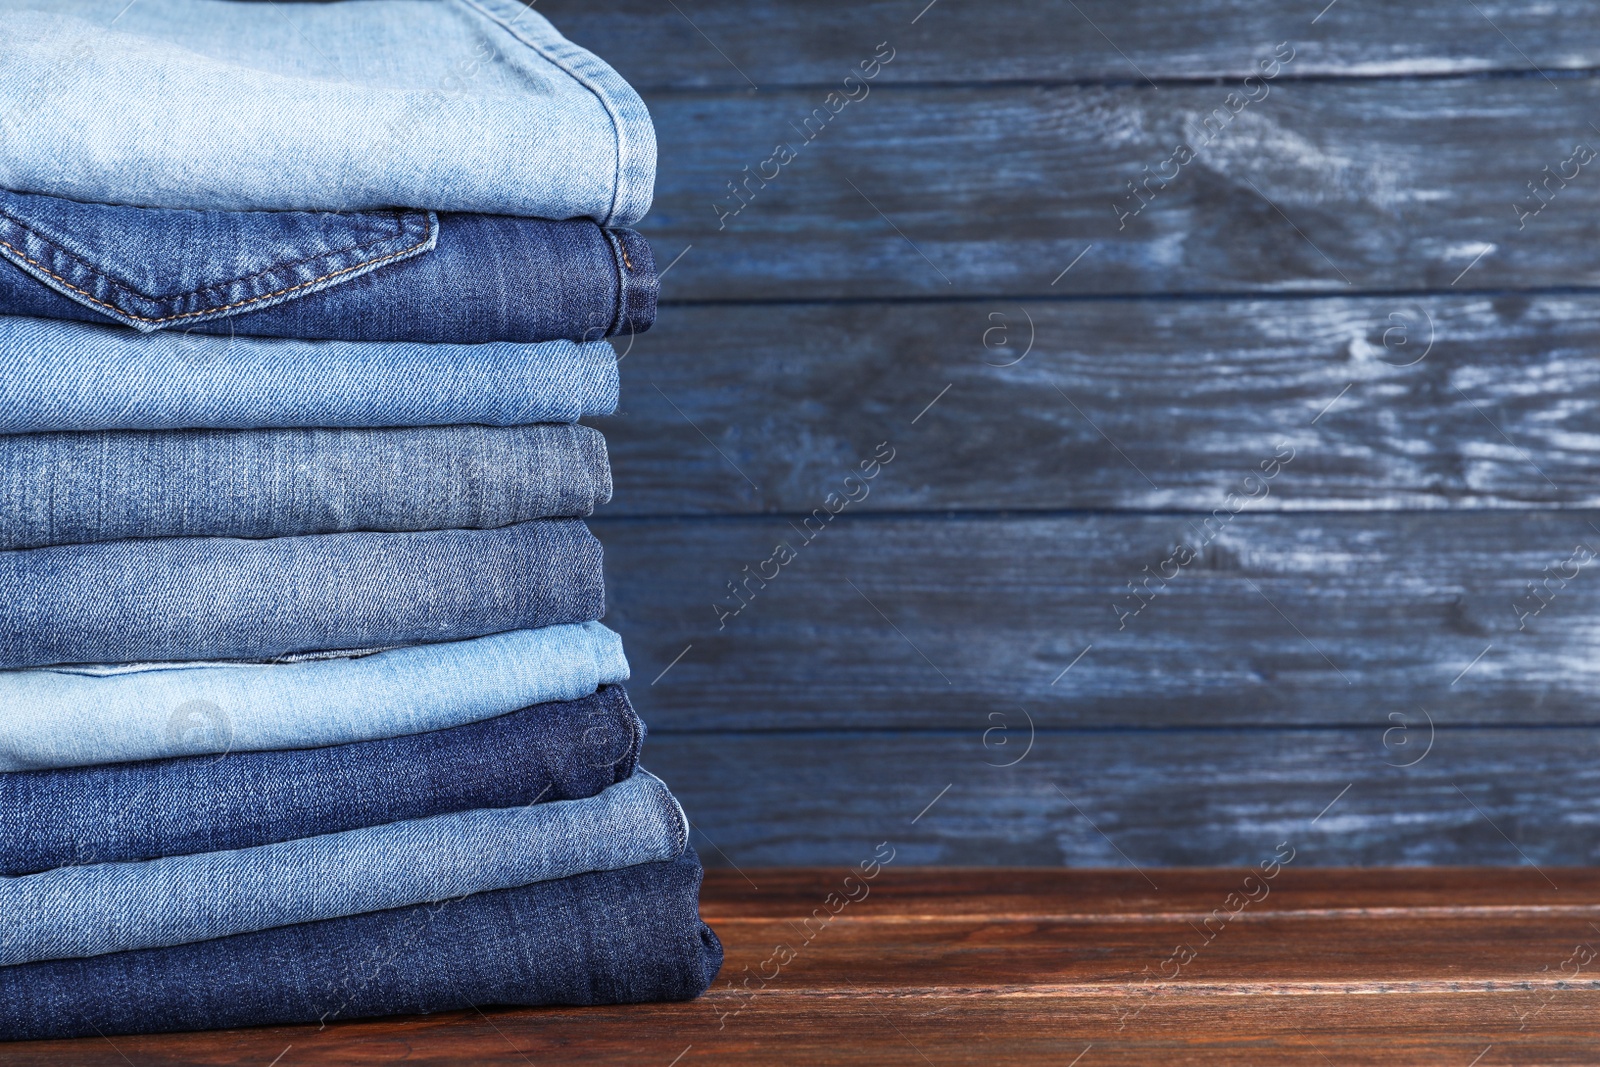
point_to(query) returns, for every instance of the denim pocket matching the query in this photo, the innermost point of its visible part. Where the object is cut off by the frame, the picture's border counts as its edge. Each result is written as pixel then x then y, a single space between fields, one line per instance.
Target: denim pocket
pixel 152 268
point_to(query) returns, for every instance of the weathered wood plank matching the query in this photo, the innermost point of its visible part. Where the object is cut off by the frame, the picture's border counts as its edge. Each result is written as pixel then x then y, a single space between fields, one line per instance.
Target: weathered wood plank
pixel 1386 402
pixel 1315 619
pixel 792 42
pixel 1036 967
pixel 1104 895
pixel 1328 187
pixel 1116 798
pixel 884 1030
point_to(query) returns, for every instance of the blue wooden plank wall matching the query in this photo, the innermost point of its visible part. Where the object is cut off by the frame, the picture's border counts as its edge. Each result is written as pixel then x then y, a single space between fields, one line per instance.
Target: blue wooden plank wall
pixel 1116 433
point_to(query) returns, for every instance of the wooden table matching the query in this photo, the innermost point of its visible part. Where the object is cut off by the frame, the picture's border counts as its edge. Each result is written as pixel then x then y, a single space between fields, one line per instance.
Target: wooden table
pixel 932 967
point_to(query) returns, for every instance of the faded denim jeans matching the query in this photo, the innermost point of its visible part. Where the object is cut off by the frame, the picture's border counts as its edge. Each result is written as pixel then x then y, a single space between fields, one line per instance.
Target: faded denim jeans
pixel 72 912
pixel 59 375
pixel 397 275
pixel 190 598
pixel 444 105
pixel 613 937
pixel 82 716
pixel 140 811
pixel 75 488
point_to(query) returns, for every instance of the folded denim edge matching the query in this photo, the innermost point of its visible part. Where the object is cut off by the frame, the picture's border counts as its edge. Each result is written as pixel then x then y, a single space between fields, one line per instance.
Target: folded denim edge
pixel 183 805
pixel 185 928
pixel 607 649
pixel 125 380
pixel 638 285
pixel 615 698
pixel 660 789
pixel 605 643
pixel 599 455
pixel 635 139
pixel 54 1008
pixel 28 750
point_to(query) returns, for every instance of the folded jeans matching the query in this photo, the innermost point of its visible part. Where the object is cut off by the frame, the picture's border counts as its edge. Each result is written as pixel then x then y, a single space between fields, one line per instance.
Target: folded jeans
pixel 54 717
pixel 89 910
pixel 138 811
pixel 214 598
pixel 612 937
pixel 396 275
pixel 111 485
pixel 58 375
pixel 450 105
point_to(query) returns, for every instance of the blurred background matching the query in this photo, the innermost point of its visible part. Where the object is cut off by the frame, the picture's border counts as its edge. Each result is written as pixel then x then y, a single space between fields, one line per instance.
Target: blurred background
pixel 1115 433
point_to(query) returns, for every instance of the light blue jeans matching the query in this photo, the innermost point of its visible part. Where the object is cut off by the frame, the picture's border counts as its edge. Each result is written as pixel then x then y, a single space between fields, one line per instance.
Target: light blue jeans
pixel 81 716
pixel 448 105
pixel 57 375
pixel 72 912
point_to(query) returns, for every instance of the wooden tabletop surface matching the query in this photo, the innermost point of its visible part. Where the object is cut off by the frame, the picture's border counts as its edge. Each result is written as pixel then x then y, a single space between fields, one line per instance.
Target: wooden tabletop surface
pixel 1278 965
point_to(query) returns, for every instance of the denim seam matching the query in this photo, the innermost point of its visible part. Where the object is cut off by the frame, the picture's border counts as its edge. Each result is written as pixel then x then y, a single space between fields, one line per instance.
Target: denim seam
pixel 617 128
pixel 234 281
pixel 398 216
pixel 619 260
pixel 681 829
pixel 635 742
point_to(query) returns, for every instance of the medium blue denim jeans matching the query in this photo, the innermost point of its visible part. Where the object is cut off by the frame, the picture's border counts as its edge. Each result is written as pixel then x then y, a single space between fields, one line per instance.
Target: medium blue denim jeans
pixel 613 937
pixel 59 375
pixel 444 105
pixel 188 598
pixel 82 716
pixel 75 488
pixel 140 811
pixel 71 912
pixel 357 276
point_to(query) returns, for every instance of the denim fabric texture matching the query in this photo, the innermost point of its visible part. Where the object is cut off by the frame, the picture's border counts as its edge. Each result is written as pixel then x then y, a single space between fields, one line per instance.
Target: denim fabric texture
pixel 60 375
pixel 139 811
pixel 355 276
pixel 72 912
pixel 76 488
pixel 614 937
pixel 189 598
pixel 445 105
pixel 81 716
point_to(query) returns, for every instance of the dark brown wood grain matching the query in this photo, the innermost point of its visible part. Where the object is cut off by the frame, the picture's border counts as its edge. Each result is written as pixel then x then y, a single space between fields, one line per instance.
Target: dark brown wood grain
pixel 1090 894
pixel 1041 967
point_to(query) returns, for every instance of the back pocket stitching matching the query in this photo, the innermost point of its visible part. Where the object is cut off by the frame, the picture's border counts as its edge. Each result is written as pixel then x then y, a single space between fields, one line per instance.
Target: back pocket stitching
pixel 20 254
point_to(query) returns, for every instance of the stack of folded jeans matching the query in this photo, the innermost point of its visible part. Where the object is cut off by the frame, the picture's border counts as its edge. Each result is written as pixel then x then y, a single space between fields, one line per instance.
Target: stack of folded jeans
pixel 305 709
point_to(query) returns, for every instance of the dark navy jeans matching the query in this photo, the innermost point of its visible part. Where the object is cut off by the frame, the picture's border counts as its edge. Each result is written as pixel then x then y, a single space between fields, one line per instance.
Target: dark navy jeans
pixel 613 937
pixel 357 276
pixel 123 812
